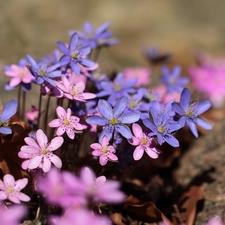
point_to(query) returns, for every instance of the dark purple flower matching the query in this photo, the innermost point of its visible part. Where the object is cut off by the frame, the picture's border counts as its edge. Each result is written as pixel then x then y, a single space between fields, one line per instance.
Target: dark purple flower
pixel 75 55
pixel 95 38
pixel 172 79
pixel 114 119
pixel 8 111
pixel 190 111
pixel 42 72
pixel 161 124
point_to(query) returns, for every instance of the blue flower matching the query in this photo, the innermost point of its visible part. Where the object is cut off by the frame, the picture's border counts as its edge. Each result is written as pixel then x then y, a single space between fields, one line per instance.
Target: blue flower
pixel 162 124
pixel 172 79
pixel 190 111
pixel 8 111
pixel 95 38
pixel 75 55
pixel 42 72
pixel 114 119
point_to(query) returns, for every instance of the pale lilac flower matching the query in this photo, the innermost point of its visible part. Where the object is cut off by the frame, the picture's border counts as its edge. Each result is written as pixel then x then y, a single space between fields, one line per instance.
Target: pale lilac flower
pixel 33 114
pixel 143 143
pixel 104 151
pixel 66 123
pixel 11 215
pixel 10 189
pixel 74 91
pixel 215 220
pixel 39 152
pixel 79 216
pixel 8 111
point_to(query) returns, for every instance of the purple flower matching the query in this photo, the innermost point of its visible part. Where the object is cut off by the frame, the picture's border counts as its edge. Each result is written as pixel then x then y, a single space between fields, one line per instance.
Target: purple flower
pixel 66 123
pixel 161 124
pixel 95 38
pixel 104 151
pixel 8 111
pixel 172 80
pixel 75 55
pixel 143 143
pixel 42 72
pixel 114 119
pixel 10 189
pixel 11 215
pixel 190 112
pixel 39 152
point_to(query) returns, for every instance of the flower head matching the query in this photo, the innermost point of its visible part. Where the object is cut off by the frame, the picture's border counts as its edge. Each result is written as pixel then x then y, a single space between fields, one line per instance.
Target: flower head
pixel 10 189
pixel 8 111
pixel 39 152
pixel 190 112
pixel 143 143
pixel 74 55
pixel 66 123
pixel 114 119
pixel 104 151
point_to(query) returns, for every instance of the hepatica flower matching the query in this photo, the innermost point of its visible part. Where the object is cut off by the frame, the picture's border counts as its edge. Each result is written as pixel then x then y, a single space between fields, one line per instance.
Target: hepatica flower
pixel 190 112
pixel 10 189
pixel 8 111
pixel 42 72
pixel 75 55
pixel 114 119
pixel 172 79
pixel 143 143
pixel 39 152
pixel 104 151
pixel 66 123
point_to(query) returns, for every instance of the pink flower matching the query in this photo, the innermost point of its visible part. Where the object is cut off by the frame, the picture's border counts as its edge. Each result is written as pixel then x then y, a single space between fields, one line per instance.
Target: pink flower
pixel 39 152
pixel 66 123
pixel 104 150
pixel 11 215
pixel 18 74
pixel 143 143
pixel 10 189
pixel 142 74
pixel 33 114
pixel 79 216
pixel 74 91
pixel 214 221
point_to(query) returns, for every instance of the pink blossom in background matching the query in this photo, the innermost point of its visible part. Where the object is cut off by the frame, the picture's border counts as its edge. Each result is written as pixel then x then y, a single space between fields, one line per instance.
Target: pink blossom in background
pixel 79 216
pixel 142 74
pixel 10 189
pixel 38 152
pixel 66 123
pixel 143 143
pixel 33 114
pixel 11 215
pixel 74 91
pixel 18 74
pixel 210 80
pixel 215 220
pixel 104 151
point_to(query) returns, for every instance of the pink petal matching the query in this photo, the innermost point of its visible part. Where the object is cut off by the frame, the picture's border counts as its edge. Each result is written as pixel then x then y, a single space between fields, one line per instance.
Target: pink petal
pixel 54 123
pixel 21 183
pixel 113 157
pixel 138 153
pixel 55 143
pixel 68 114
pixel 56 161
pixel 41 139
pixel 70 133
pixel 137 130
pixel 96 146
pixel 9 180
pixel 2 185
pixel 105 140
pixel 80 86
pixel 111 149
pixel 134 141
pixel 88 95
pixel 103 159
pixel 14 81
pixel 30 141
pixel 61 113
pixel 23 155
pixel 97 153
pixel 78 126
pixel 23 197
pixel 25 164
pixel 151 153
pixel 3 195
pixel 65 82
pixel 87 176
pixel 35 162
pixel 60 131
pixel 29 149
pixel 46 166
pixel 100 180
pixel 14 199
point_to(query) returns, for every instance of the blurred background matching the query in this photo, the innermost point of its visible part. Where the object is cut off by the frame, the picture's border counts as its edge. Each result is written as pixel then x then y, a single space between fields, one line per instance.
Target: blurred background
pixel 180 27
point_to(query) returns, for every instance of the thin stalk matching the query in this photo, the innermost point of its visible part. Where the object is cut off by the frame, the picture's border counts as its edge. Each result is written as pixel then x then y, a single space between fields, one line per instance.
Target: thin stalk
pixel 46 113
pixel 19 100
pixel 39 107
pixel 96 54
pixel 23 105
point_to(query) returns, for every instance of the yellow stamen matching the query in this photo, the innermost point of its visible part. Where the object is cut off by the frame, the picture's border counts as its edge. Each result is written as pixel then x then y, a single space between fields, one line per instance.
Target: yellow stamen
pixel 44 151
pixel 113 121
pixel 66 122
pixel 160 129
pixel 104 150
pixel 9 190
